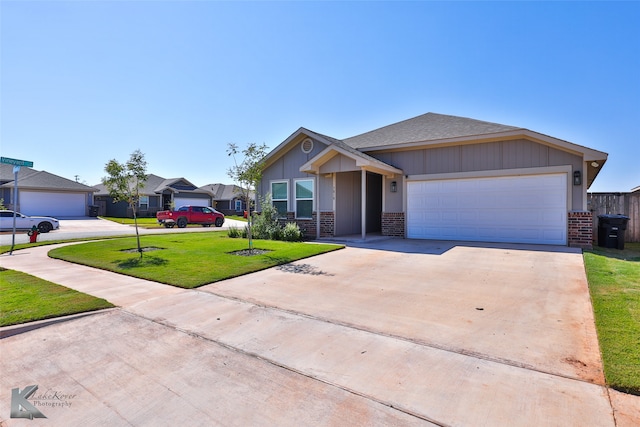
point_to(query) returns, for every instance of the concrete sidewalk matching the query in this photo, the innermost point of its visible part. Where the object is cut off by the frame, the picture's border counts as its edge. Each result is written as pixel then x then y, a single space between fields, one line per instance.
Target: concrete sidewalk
pixel 257 351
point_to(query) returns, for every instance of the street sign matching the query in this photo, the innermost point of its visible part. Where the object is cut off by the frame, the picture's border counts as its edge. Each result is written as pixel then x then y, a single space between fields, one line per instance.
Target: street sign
pixel 16 168
pixel 16 162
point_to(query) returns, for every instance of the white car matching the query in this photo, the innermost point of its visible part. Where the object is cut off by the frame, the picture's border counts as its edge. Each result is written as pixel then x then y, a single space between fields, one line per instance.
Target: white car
pixel 44 224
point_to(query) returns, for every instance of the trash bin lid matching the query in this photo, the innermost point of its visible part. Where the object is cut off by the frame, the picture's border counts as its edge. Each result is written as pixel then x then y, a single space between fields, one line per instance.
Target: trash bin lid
pixel 613 216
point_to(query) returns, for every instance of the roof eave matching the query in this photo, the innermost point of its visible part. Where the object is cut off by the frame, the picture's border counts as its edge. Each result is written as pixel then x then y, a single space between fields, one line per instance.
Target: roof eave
pixel 313 165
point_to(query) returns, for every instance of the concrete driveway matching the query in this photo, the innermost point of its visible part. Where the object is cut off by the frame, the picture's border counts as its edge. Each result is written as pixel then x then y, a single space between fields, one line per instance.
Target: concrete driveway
pixel 397 332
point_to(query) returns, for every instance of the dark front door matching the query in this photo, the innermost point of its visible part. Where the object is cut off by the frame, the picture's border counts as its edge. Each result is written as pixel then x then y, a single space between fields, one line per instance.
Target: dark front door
pixel 374 203
pixel 166 201
pixel 348 204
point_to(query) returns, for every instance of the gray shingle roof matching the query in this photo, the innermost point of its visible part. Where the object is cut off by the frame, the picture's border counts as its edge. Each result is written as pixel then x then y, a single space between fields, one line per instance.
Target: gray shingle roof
pixel 156 184
pixel 152 182
pixel 223 191
pixel 357 153
pixel 6 173
pixel 42 180
pixel 427 127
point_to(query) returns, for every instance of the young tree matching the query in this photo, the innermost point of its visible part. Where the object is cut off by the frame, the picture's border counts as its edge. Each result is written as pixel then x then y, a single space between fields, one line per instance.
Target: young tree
pixel 125 181
pixel 247 174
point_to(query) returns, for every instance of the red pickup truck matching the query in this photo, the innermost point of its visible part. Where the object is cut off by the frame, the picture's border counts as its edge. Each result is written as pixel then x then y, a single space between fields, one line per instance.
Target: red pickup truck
pixel 190 215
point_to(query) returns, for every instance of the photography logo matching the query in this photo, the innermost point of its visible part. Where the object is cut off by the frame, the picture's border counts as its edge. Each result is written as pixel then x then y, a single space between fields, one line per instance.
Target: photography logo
pixel 21 407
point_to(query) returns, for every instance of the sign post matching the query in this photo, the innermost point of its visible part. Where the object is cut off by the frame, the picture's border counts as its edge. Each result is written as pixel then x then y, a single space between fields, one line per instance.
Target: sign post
pixel 16 168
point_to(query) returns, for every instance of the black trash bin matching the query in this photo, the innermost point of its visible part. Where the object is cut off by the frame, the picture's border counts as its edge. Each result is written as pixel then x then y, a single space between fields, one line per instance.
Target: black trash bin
pixel 611 230
pixel 93 210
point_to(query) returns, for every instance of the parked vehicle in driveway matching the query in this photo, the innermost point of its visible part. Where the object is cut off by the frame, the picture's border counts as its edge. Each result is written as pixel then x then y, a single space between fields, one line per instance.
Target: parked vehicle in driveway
pixel 44 224
pixel 185 215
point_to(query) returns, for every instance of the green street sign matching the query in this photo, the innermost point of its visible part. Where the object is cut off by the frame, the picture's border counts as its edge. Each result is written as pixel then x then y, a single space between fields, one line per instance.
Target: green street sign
pixel 16 162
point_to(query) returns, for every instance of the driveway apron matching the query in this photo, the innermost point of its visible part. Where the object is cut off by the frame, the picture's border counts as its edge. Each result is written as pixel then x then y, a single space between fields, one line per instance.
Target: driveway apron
pixel 396 333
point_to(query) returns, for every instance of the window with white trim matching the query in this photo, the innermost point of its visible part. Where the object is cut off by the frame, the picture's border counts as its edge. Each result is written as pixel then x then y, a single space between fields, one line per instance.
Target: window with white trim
pixel 238 205
pixel 280 196
pixel 143 203
pixel 304 198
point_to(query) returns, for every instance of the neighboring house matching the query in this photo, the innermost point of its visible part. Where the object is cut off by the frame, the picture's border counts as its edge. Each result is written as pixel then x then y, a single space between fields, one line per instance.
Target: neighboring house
pixel 43 193
pixel 436 177
pixel 623 203
pixel 157 194
pixel 228 198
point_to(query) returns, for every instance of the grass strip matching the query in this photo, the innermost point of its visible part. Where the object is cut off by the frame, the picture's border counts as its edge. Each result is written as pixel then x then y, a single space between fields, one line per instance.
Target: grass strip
pixel 187 260
pixel 25 298
pixel 614 283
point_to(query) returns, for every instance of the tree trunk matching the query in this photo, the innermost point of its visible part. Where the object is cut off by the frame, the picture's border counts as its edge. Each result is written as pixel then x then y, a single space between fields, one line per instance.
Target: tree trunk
pixel 249 229
pixel 135 221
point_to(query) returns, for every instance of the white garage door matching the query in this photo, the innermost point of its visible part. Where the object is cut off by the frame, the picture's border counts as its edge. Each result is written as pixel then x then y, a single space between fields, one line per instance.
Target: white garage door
pixel 53 204
pixel 517 209
pixel 178 201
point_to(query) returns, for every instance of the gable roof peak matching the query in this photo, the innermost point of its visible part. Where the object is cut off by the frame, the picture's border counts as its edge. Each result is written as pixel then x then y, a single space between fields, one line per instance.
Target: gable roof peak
pixel 426 127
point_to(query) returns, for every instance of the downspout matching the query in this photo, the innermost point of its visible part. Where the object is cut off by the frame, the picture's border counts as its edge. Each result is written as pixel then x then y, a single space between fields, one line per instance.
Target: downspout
pixel 317 200
pixel 583 189
pixel 364 203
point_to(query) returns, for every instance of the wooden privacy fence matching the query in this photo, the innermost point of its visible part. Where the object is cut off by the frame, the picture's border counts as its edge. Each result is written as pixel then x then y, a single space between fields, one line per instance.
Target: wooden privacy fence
pixel 617 203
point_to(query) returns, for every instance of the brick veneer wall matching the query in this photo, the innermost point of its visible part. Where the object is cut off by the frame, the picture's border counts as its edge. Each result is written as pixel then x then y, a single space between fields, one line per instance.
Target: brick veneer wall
pixel 308 226
pixel 580 228
pixel 327 224
pixel 393 224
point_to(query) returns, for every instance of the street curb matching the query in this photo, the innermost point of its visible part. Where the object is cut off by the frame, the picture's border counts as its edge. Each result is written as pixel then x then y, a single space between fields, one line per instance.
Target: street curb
pixel 8 331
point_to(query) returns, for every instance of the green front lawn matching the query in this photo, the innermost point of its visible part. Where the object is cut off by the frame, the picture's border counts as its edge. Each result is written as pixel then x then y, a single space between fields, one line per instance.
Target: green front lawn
pixel 142 222
pixel 236 217
pixel 26 298
pixel 153 223
pixel 614 283
pixel 129 221
pixel 186 260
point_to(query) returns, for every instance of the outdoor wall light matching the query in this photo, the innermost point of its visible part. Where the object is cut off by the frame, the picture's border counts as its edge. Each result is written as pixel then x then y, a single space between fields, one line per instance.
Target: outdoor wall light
pixel 595 164
pixel 577 178
pixel 394 186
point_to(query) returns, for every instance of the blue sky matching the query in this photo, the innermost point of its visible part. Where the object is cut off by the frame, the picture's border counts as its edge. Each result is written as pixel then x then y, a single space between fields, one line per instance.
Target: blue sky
pixel 83 82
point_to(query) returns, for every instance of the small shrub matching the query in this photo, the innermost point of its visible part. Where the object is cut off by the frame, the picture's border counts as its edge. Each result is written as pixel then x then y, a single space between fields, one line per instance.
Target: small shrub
pixel 291 233
pixel 266 225
pixel 234 232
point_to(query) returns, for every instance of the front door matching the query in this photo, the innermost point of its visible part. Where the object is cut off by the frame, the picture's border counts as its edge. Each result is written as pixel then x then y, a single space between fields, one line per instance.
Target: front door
pixel 348 218
pixel 374 203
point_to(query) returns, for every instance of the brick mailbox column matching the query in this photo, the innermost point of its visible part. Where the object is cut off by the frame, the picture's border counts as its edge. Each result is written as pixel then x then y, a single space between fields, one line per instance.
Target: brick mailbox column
pixel 580 228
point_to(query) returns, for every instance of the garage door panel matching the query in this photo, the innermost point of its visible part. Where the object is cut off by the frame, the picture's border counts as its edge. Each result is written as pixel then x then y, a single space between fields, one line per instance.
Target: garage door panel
pixel 553 234
pixel 466 216
pixel 190 202
pixel 518 209
pixel 53 204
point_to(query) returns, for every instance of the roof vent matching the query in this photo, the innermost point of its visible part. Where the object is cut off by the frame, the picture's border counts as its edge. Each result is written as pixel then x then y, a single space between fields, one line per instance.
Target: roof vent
pixel 307 145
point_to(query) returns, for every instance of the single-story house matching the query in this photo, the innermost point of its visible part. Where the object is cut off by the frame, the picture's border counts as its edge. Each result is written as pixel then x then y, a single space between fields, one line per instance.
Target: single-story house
pixel 228 198
pixel 157 194
pixel 43 193
pixel 436 177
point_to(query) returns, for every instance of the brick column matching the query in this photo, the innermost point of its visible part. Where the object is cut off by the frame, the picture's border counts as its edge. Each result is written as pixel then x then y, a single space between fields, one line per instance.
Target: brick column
pixel 580 230
pixel 327 224
pixel 393 224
